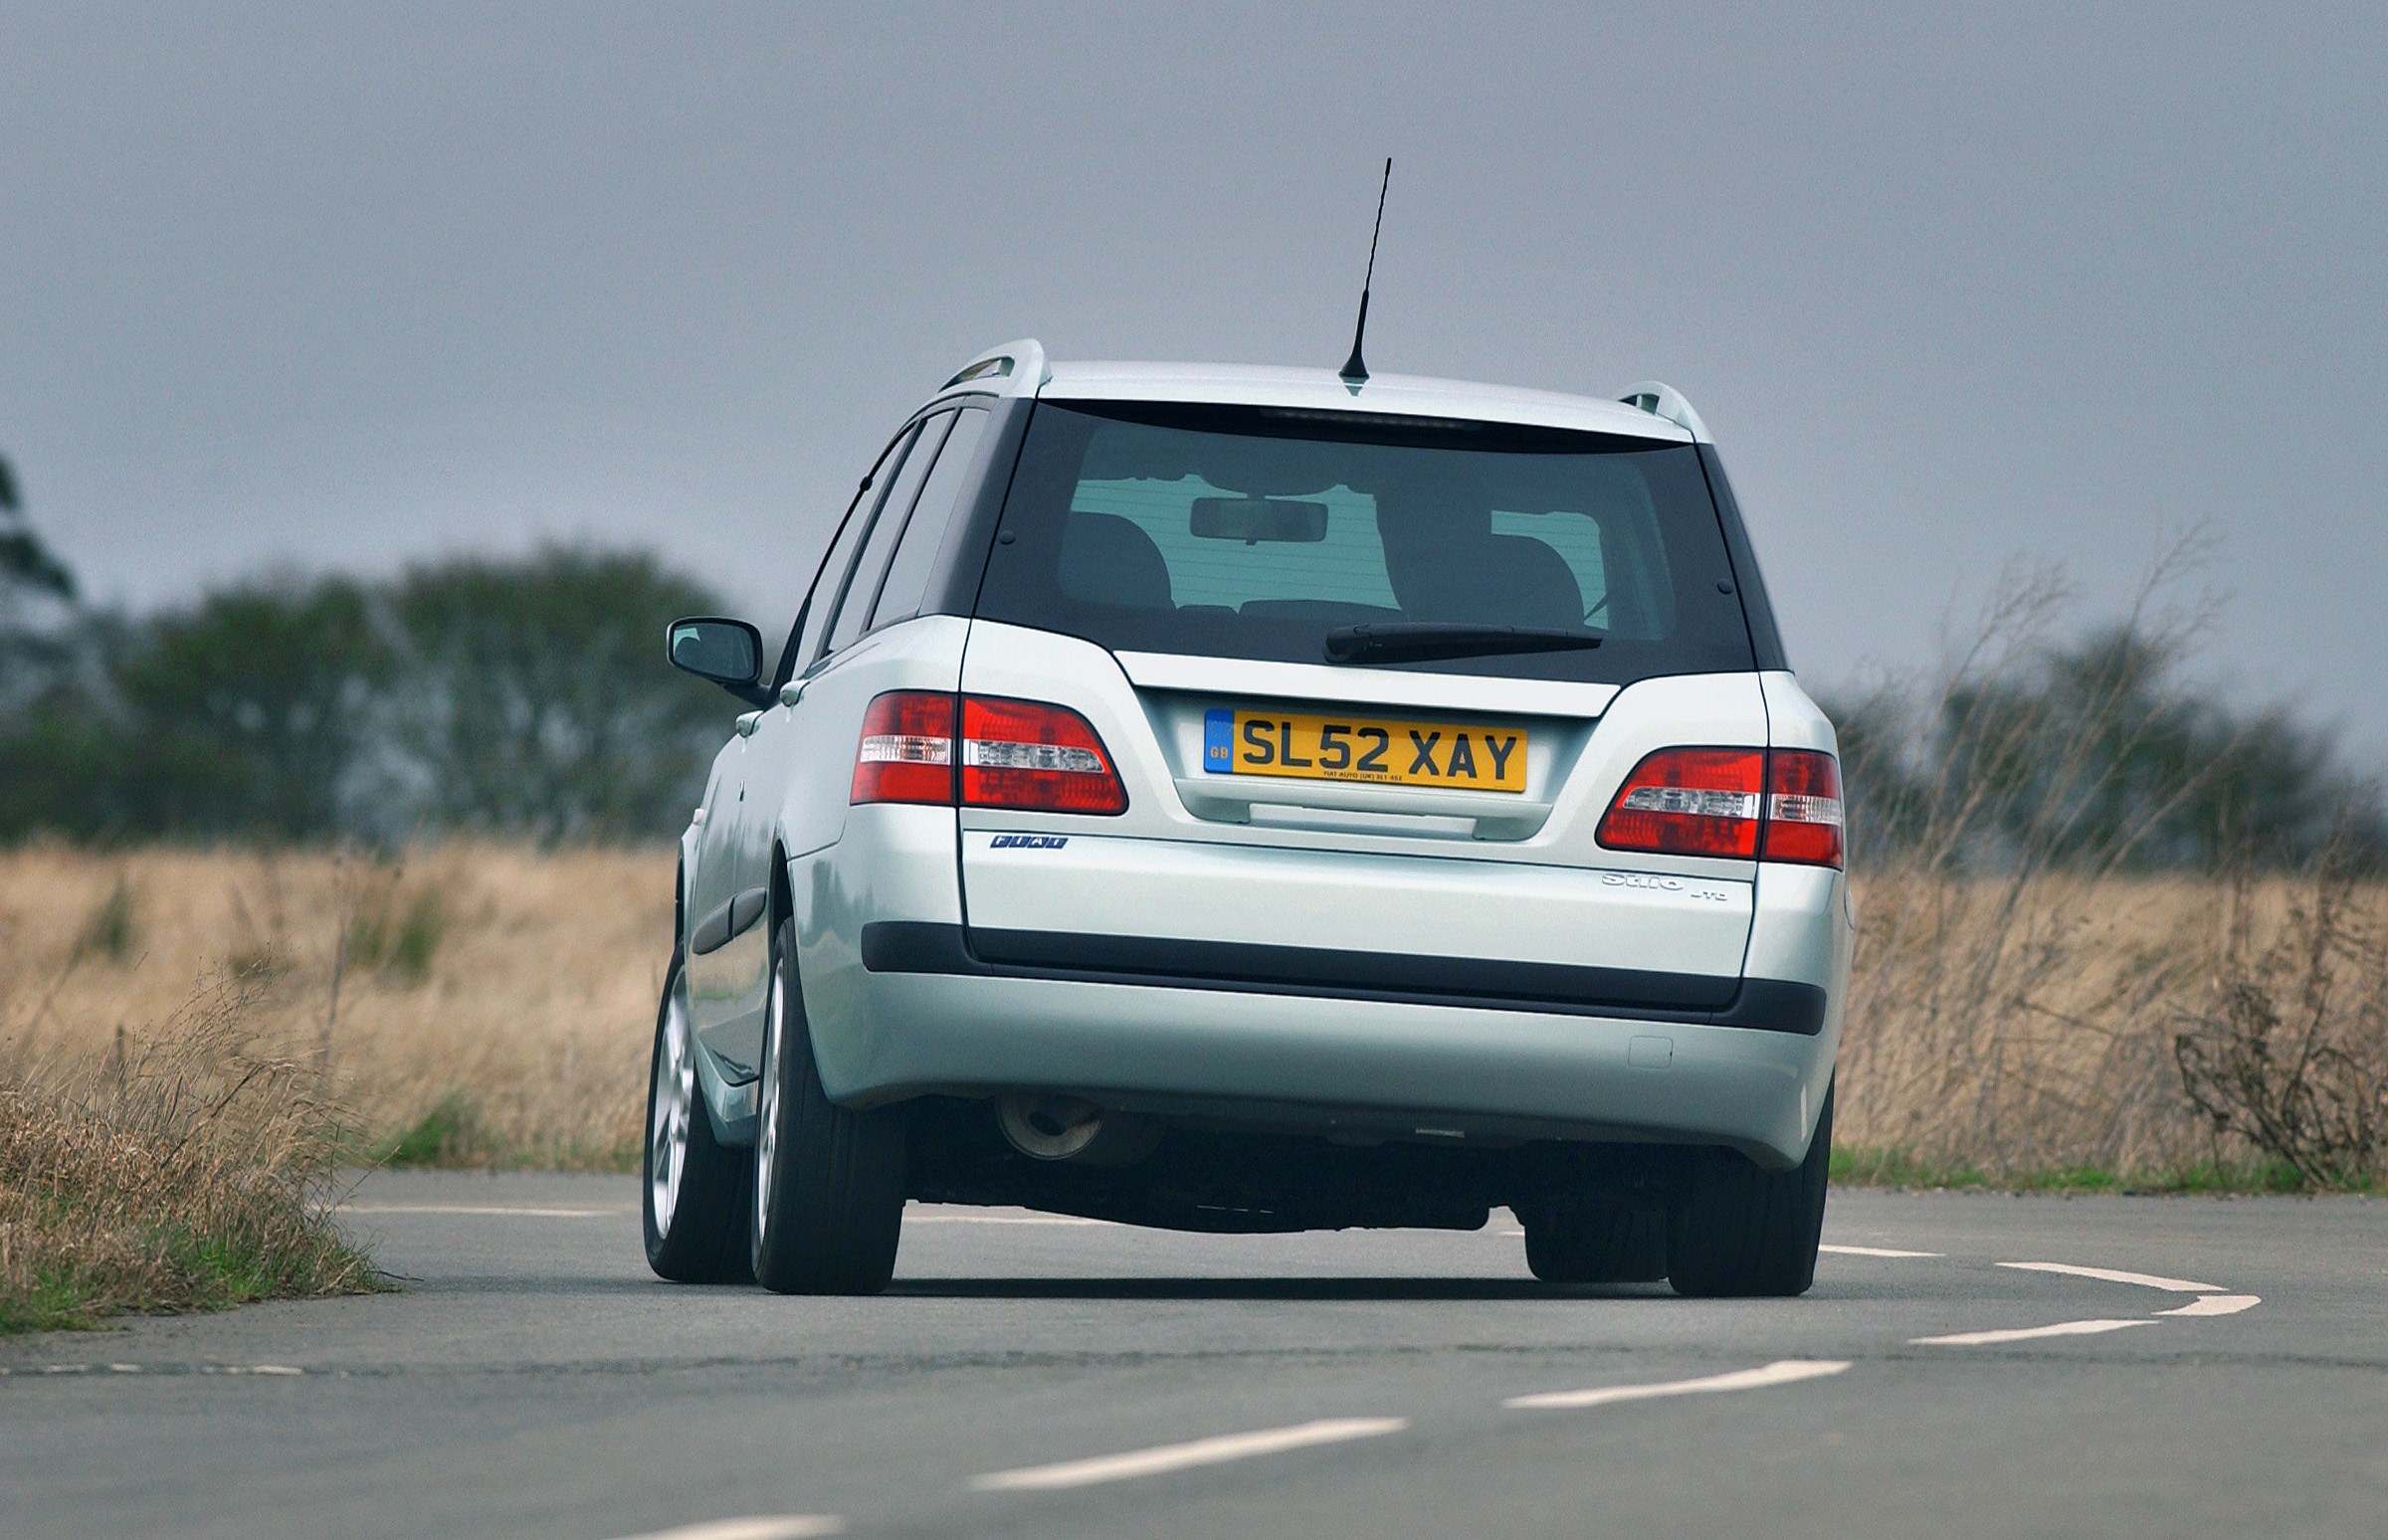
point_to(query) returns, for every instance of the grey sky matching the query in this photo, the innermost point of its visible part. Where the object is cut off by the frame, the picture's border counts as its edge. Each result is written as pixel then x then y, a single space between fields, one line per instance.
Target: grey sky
pixel 347 286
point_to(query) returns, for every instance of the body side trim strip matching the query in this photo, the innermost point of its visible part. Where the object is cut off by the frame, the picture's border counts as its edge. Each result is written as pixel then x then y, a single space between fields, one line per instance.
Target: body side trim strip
pixel 1766 1004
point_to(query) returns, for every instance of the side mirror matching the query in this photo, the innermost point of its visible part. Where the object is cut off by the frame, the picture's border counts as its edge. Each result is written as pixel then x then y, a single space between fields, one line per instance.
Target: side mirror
pixel 728 652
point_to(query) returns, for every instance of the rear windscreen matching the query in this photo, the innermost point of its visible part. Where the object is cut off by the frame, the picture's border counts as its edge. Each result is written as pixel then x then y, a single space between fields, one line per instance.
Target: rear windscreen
pixel 1253 532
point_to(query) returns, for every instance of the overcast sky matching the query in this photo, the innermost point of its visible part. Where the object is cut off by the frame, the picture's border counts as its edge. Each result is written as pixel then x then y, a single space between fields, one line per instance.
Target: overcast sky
pixel 342 286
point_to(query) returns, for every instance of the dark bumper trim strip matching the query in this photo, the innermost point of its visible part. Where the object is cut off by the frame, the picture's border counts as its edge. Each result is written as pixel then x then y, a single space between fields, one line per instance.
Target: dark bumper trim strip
pixel 1764 1005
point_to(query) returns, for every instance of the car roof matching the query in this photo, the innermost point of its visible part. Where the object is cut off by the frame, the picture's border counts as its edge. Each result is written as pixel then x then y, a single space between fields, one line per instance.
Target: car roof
pixel 1322 390
pixel 1025 371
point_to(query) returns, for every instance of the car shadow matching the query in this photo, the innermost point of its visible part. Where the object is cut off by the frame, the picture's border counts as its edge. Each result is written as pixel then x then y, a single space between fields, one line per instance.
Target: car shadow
pixel 1267 1290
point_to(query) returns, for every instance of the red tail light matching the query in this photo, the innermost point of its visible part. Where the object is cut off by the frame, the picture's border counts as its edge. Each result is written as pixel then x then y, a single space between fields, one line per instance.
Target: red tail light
pixel 1708 802
pixel 1012 755
pixel 1022 754
pixel 906 752
pixel 1803 807
pixel 1688 802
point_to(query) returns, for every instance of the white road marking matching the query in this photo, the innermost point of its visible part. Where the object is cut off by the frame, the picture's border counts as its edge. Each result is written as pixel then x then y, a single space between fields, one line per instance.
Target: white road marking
pixel 791 1527
pixel 2026 1333
pixel 1183 1457
pixel 2217 1304
pixel 1874 1251
pixel 124 1368
pixel 473 1208
pixel 1782 1372
pixel 999 1218
pixel 2114 1276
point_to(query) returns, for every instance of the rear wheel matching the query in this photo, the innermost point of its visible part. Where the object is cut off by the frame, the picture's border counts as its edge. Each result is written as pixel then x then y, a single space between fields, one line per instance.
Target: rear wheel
pixel 696 1189
pixel 1569 1242
pixel 1744 1232
pixel 828 1181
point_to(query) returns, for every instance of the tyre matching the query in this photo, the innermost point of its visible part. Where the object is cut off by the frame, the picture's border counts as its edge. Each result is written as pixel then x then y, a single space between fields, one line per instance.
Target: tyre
pixel 1595 1242
pixel 696 1189
pixel 1741 1231
pixel 828 1205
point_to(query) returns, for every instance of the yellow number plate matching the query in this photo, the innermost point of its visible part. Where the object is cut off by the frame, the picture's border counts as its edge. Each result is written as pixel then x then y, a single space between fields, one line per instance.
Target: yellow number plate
pixel 1362 748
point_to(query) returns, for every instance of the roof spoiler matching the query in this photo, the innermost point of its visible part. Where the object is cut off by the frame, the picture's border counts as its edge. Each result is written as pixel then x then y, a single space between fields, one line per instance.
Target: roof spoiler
pixel 1013 369
pixel 1668 403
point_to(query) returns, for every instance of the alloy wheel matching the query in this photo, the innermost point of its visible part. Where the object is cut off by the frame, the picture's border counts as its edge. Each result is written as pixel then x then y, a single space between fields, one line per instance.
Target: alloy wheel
pixel 766 1142
pixel 674 1100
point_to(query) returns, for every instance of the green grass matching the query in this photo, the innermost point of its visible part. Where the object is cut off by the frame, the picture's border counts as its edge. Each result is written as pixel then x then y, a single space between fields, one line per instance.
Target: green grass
pixel 447 1136
pixel 1898 1169
pixel 400 945
pixel 113 930
pixel 187 1271
pixel 453 1137
pixel 56 1301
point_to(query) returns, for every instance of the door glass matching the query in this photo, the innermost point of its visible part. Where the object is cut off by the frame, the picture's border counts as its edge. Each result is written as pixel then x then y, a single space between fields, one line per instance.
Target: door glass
pixel 907 575
pixel 862 585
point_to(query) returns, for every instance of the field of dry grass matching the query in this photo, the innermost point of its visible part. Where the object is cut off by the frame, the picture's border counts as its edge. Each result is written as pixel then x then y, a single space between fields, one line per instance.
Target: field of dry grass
pixel 493 1001
pixel 478 1004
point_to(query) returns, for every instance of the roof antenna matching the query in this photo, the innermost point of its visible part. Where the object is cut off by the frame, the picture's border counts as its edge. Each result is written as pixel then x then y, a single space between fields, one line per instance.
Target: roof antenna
pixel 1355 368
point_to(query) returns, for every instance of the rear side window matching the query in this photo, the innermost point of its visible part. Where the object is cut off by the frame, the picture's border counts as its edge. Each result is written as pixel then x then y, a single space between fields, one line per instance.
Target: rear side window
pixel 907 575
pixel 862 587
pixel 821 600
pixel 1249 532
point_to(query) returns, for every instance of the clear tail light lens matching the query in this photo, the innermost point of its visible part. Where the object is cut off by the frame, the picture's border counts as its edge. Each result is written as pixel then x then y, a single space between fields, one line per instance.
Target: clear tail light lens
pixel 1803 808
pixel 906 752
pixel 1025 754
pixel 1690 801
pixel 1778 805
pixel 1009 754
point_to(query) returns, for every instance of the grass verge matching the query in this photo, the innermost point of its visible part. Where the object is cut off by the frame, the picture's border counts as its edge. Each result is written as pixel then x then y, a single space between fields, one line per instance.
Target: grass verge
pixel 1893 1168
pixel 188 1173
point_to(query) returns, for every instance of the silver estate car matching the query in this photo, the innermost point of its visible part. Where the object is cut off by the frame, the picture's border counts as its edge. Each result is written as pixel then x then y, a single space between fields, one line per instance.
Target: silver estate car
pixel 1238 798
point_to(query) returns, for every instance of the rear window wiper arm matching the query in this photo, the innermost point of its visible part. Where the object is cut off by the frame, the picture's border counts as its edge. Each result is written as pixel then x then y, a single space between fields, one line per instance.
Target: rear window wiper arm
pixel 1421 640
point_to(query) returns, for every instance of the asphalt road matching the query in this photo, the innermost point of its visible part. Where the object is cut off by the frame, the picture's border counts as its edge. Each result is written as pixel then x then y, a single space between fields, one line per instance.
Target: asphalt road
pixel 532 1379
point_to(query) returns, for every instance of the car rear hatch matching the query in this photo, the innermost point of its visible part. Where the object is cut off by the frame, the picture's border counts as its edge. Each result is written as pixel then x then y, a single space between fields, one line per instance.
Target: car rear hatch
pixel 1418 821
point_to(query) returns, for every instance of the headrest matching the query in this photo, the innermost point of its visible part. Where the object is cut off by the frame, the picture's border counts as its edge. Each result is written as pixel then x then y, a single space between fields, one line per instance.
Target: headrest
pixel 1107 559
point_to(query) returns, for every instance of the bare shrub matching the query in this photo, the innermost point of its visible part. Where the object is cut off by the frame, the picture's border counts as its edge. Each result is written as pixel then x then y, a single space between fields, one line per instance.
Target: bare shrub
pixel 2287 1046
pixel 186 1169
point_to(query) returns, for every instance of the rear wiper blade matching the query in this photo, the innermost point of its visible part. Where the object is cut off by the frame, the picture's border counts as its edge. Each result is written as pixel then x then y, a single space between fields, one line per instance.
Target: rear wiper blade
pixel 1420 639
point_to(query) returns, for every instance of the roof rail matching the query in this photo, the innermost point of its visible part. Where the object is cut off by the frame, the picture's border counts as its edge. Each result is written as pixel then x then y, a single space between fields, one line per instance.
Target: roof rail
pixel 1665 400
pixel 1014 369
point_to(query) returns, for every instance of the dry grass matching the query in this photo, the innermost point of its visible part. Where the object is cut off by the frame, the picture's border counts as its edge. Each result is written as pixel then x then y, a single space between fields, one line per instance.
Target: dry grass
pixel 187 1171
pixel 470 1004
pixel 2020 1030
pixel 491 1004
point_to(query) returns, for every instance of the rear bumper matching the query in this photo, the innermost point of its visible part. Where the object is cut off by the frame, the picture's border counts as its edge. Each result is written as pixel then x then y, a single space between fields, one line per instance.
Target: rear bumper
pixel 1308 1059
pixel 901 1004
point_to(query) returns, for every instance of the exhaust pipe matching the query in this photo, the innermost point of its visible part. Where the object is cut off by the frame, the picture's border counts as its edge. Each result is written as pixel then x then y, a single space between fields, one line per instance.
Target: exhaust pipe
pixel 1047 1126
